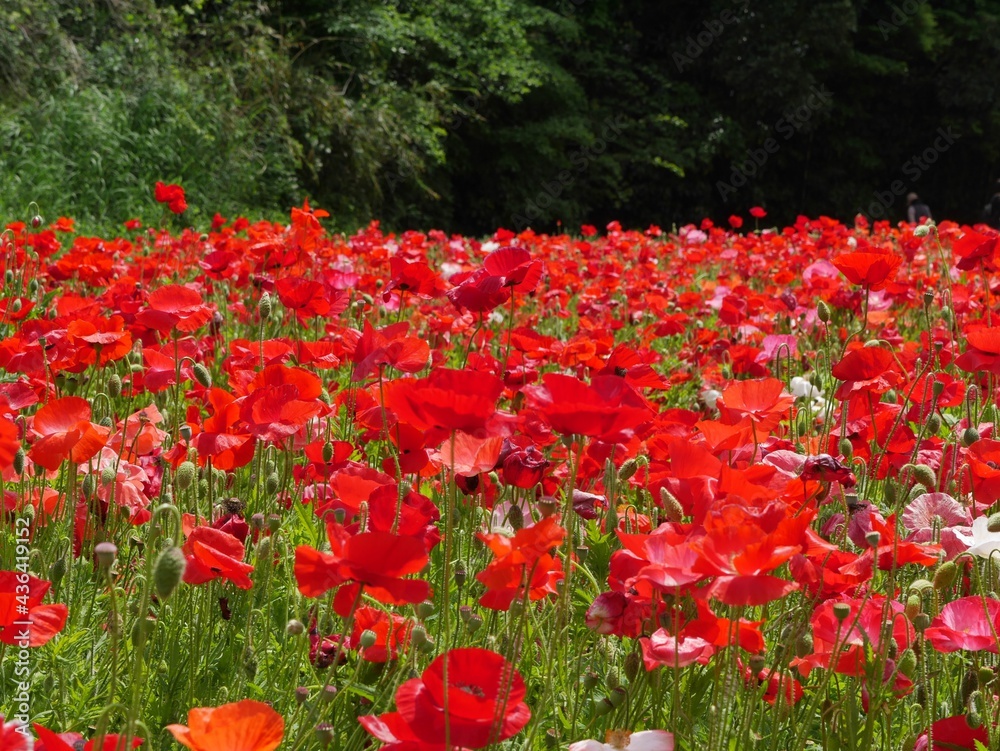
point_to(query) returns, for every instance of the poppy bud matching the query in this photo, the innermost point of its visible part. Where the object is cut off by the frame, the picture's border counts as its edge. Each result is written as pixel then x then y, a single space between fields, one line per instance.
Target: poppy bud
pixel 985 676
pixel 993 523
pixel 934 424
pixel 945 576
pixel 925 475
pixel 271 483
pixel 142 629
pixel 891 492
pixel 617 697
pixel 16 305
pixel 57 571
pixel 823 311
pixel 106 422
pixel 804 645
pixel 115 386
pixel 19 461
pixel 36 221
pixel 202 376
pixel 890 396
pixel 33 287
pixel 970 682
pixel 295 627
pixel 633 663
pixel 264 306
pixel 922 231
pixel 168 571
pixel 8 276
pixel 674 512
pixel 88 486
pixel 515 518
pixel 907 663
pixel 628 469
pixel 917 490
pixel 264 549
pixel 108 475
pixel 921 622
pixel 913 605
pixel 974 715
pixel 590 679
pixel 185 475
pixel 602 706
pixel 418 636
pixel 327 452
pixel 846 448
pixel 969 436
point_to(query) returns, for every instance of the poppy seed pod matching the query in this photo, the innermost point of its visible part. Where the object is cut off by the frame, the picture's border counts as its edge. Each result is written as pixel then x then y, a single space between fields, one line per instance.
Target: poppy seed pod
pixel 168 571
pixel 264 306
pixel 202 376
pixel 105 554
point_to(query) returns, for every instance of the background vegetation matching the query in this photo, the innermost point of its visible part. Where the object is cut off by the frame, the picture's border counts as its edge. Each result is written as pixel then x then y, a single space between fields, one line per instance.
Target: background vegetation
pixel 482 113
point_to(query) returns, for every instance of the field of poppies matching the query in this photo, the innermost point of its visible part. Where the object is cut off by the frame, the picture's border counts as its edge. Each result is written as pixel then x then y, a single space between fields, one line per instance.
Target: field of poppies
pixel 712 488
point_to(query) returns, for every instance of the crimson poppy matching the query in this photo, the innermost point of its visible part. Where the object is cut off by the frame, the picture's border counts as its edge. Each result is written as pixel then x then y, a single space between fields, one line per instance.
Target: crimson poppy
pixel 444 402
pixel 172 195
pixel 484 698
pixel 51 741
pixel 13 737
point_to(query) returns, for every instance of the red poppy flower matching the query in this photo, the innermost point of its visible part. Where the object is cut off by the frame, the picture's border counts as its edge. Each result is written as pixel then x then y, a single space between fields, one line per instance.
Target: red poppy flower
pixel 13 737
pixel 416 278
pixel 174 306
pixel 867 370
pixel 983 354
pixel 974 248
pixel 524 560
pixel 607 408
pixel 303 296
pixel 214 554
pixel 515 268
pixel 872 270
pixel 51 741
pixel 242 726
pixel 765 403
pixel 280 402
pixel 954 733
pixel 445 401
pixel 485 700
pixel 968 624
pixel 389 346
pixel 984 462
pixel 65 433
pixel 223 439
pixel 377 560
pixel 172 195
pixel 757 212
pixel 24 620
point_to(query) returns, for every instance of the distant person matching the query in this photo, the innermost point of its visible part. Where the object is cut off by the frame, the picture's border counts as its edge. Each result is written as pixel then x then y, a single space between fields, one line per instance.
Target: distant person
pixel 991 211
pixel 917 210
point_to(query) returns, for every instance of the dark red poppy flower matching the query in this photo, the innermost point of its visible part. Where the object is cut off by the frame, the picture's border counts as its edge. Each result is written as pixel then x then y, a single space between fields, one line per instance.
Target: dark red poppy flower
pixel 24 620
pixel 214 554
pixel 869 269
pixel 172 195
pixel 607 408
pixel 484 697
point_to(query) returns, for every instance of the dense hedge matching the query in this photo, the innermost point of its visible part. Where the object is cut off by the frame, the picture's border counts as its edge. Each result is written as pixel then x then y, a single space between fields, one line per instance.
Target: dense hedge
pixel 483 113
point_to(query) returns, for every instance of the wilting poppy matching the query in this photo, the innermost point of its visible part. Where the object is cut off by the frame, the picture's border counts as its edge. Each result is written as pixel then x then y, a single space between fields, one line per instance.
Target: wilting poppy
pixel 242 726
pixel 485 704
